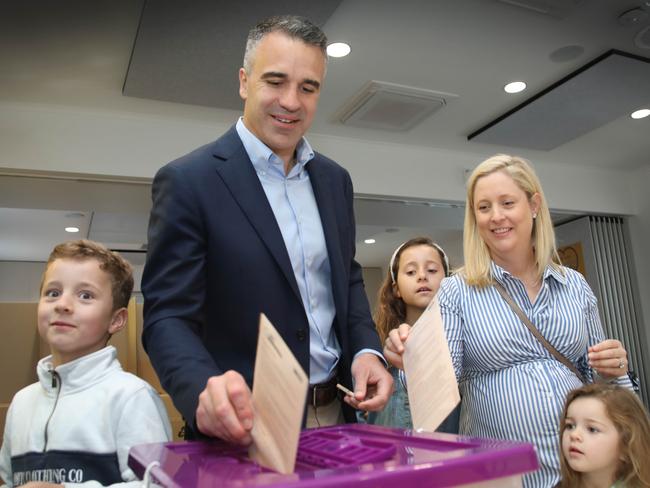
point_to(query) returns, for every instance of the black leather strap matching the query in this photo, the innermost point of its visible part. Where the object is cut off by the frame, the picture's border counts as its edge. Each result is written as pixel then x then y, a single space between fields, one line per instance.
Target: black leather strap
pixel 323 393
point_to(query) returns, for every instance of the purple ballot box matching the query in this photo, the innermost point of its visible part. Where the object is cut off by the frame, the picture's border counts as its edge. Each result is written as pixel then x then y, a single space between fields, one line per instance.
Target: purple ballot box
pixel 345 455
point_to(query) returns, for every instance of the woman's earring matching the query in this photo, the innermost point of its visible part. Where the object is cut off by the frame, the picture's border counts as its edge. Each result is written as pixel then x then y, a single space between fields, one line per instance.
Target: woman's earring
pixel 534 216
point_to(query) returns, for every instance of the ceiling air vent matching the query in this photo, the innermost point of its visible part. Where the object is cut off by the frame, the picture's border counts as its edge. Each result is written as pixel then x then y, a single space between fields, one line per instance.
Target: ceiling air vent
pixel 388 106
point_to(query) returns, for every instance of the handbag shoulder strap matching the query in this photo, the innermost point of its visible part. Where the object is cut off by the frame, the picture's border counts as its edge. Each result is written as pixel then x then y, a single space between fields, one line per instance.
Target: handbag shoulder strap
pixel 526 321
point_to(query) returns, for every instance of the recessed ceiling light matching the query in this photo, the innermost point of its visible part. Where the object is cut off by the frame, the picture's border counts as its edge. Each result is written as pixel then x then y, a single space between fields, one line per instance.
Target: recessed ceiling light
pixel 515 87
pixel 369 241
pixel 338 49
pixel 640 114
pixel 72 229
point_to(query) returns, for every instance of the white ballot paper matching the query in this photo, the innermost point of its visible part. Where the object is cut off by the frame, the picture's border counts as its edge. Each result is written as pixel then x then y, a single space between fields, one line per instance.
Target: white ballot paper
pixel 431 381
pixel 279 394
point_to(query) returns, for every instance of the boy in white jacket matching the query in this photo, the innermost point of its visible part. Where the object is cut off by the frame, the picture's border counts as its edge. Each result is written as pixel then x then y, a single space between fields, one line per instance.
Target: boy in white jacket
pixel 76 425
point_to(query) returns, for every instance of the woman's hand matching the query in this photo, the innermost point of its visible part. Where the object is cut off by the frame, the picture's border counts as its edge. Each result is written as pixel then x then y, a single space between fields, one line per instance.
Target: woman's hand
pixel 394 345
pixel 609 359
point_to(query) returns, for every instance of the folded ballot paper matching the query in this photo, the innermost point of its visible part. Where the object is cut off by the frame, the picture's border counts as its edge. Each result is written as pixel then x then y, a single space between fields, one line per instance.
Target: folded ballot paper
pixel 432 387
pixel 279 394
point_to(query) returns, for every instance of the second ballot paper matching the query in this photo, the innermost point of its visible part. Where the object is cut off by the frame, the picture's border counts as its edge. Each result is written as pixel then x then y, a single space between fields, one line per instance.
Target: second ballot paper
pixel 431 381
pixel 279 395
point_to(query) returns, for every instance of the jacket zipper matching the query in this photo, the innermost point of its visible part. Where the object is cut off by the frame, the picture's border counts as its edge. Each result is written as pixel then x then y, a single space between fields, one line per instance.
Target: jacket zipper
pixel 56 383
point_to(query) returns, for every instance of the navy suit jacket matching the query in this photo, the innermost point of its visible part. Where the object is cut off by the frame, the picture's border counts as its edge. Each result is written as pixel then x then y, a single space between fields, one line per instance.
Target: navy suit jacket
pixel 216 260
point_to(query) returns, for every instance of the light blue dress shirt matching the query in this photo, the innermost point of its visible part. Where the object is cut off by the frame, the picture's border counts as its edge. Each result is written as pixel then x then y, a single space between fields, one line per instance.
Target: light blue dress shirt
pixel 292 200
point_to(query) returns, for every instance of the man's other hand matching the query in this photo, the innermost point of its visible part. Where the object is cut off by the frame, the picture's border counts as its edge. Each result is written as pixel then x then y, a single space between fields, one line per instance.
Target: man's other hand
pixel 373 384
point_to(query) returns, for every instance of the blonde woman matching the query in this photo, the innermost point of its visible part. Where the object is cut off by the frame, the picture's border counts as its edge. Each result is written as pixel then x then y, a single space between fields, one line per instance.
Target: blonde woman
pixel 512 386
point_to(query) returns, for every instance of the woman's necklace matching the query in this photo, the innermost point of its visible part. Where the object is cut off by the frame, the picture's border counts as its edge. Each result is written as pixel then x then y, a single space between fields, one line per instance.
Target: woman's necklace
pixel 534 283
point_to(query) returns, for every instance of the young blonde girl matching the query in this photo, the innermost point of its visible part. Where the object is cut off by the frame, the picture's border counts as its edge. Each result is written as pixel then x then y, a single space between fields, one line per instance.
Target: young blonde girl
pixel 414 274
pixel 605 439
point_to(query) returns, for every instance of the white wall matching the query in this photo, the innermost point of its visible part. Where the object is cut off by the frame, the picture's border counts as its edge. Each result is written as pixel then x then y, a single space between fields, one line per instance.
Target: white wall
pixel 37 137
pixel 20 281
pixel 579 231
pixel 398 170
pixel 99 142
pixel 372 279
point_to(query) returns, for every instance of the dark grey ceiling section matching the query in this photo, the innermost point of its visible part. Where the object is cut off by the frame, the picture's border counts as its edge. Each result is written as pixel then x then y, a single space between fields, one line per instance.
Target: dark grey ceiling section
pixel 190 52
pixel 613 85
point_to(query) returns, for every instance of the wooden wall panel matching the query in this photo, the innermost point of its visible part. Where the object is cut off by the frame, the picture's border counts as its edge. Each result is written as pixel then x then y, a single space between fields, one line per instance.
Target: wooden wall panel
pixel 145 371
pixel 19 351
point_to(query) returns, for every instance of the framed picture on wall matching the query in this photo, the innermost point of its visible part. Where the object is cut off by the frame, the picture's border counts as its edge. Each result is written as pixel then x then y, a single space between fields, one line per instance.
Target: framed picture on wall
pixel 572 257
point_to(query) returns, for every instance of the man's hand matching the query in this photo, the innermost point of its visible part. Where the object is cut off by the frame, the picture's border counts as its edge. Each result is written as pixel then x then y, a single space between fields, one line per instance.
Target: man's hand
pixel 609 359
pixel 225 409
pixel 373 385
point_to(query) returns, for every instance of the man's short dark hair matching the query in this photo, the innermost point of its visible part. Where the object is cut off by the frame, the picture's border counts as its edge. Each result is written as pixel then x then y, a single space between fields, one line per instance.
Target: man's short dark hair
pixel 293 26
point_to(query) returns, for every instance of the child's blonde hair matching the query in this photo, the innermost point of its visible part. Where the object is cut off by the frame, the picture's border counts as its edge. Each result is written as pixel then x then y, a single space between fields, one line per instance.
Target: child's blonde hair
pixel 391 310
pixel 118 269
pixel 632 422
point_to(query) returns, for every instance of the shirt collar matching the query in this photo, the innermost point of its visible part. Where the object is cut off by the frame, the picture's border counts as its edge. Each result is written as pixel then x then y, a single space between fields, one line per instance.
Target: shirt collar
pixel 263 158
pixel 79 373
pixel 553 271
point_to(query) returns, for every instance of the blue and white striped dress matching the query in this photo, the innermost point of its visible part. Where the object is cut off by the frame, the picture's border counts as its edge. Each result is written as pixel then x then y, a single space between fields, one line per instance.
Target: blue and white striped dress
pixel 511 386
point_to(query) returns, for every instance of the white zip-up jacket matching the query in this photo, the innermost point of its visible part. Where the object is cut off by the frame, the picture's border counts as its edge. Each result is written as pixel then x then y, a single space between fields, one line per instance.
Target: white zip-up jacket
pixel 77 424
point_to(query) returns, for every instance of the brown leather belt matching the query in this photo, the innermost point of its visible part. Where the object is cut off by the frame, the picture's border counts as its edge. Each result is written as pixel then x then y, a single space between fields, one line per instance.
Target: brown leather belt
pixel 323 393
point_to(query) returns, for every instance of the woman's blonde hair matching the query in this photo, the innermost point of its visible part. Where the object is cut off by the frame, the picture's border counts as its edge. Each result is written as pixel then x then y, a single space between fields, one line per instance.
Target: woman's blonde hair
pixel 632 422
pixel 476 269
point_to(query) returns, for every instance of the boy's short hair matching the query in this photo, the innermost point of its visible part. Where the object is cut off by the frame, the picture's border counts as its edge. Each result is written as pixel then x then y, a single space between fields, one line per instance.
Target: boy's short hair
pixel 119 269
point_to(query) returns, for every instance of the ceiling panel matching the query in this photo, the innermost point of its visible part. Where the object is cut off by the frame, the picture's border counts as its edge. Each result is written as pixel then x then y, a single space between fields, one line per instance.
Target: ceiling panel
pixel 191 52
pixel 609 87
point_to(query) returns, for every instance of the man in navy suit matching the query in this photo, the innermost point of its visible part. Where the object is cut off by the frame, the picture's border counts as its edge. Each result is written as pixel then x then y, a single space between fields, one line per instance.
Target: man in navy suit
pixel 257 222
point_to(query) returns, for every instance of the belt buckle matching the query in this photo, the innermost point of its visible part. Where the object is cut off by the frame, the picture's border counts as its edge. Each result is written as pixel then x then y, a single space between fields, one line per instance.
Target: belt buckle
pixel 321 389
pixel 317 391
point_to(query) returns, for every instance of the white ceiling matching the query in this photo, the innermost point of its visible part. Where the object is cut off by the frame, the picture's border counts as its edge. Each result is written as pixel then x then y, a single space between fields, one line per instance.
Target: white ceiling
pixel 77 53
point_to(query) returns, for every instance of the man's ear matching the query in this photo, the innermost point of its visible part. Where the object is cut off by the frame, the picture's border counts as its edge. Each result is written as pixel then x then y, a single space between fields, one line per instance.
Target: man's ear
pixel 118 322
pixel 243 87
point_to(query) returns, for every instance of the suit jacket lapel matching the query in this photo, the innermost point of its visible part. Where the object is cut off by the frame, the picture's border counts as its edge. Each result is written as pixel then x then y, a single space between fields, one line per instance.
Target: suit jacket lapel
pixel 237 172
